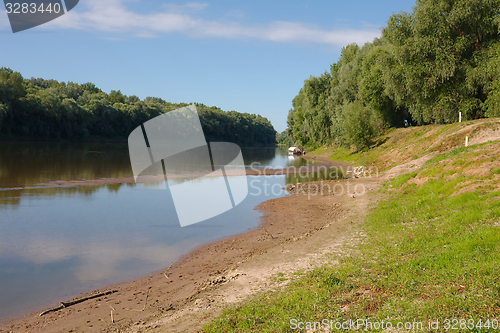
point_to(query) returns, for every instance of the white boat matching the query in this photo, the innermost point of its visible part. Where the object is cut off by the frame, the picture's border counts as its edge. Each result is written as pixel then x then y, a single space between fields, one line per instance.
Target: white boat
pixel 295 151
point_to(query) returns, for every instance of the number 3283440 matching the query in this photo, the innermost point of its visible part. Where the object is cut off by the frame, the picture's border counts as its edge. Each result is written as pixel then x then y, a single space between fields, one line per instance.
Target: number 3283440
pixel 31 8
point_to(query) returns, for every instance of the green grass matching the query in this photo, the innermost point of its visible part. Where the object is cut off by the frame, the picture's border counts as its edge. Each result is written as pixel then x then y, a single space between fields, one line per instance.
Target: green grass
pixel 431 253
pixel 406 144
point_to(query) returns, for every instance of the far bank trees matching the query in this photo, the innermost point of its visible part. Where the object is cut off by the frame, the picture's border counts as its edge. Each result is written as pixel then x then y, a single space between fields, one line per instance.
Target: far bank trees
pixel 48 109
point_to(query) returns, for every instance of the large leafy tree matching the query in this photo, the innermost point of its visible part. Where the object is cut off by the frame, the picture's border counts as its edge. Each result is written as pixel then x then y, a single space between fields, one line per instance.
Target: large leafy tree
pixel 437 47
pixel 440 59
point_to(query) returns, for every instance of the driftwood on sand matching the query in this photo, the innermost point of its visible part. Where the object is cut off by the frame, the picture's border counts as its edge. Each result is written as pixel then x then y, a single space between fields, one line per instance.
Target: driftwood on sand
pixel 76 301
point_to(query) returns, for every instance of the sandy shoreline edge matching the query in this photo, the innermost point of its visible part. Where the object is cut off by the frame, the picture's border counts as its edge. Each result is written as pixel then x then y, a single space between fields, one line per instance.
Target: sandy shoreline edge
pixel 165 290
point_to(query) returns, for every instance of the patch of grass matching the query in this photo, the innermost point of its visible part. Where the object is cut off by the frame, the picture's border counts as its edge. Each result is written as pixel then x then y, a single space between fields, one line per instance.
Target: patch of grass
pixel 495 171
pixel 430 254
pixel 405 144
pixel 403 179
pixel 267 312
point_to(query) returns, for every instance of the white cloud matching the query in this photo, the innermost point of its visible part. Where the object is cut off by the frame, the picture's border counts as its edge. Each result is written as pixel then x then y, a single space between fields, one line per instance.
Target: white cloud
pixel 114 16
pixel 98 260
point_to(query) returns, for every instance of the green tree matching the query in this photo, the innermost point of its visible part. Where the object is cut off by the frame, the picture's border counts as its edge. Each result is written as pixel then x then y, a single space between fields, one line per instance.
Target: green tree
pixel 360 125
pixel 3 113
pixel 489 73
pixel 436 48
pixel 116 96
pixel 38 108
pixel 284 139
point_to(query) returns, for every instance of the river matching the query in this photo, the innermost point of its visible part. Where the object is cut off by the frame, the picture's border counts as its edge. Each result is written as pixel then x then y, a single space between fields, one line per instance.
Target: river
pixel 58 241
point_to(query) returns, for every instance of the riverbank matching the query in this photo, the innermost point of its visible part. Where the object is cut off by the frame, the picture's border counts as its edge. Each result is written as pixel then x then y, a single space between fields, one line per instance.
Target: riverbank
pixel 297 233
pixel 429 259
pixel 286 221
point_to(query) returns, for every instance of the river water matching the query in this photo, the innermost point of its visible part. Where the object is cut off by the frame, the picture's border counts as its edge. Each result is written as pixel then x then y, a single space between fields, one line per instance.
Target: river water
pixel 57 241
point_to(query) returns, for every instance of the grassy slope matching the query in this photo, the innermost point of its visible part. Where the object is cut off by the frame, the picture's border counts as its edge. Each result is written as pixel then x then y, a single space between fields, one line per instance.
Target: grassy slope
pixel 432 251
pixel 405 144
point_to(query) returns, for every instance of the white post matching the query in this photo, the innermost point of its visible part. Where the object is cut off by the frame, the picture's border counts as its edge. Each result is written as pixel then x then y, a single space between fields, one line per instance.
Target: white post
pixel 466 141
pixel 460 117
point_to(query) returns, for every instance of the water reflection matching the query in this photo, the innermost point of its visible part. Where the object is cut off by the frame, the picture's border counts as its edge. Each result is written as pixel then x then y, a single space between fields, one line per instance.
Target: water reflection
pixel 52 247
pixel 265 155
pixel 324 174
pixel 13 197
pixel 58 241
pixel 24 164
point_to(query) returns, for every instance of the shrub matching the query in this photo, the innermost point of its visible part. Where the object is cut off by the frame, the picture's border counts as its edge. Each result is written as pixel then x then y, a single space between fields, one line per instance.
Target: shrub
pixel 360 125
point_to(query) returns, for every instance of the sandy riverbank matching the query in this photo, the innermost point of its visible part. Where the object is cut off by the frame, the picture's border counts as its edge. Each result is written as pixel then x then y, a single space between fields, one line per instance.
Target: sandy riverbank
pixel 240 265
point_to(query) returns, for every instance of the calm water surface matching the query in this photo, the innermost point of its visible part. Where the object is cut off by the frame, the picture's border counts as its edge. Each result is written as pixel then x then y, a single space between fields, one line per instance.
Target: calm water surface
pixel 56 242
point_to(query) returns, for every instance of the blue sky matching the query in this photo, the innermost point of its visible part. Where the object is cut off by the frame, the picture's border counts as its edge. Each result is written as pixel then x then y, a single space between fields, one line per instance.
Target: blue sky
pixel 250 56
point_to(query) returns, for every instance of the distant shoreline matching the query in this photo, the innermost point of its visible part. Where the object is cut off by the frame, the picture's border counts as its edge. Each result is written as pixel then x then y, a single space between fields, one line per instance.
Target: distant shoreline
pixel 115 141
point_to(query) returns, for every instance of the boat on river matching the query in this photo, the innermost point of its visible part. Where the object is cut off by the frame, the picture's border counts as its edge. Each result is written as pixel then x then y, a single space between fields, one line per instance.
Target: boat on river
pixel 295 151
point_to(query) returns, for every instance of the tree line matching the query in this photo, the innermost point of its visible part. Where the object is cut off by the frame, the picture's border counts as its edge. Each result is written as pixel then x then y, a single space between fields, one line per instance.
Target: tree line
pixel 440 59
pixel 47 109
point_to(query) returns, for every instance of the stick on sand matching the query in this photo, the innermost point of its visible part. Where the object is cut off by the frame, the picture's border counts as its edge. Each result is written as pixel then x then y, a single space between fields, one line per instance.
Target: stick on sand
pixel 165 273
pixel 76 301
